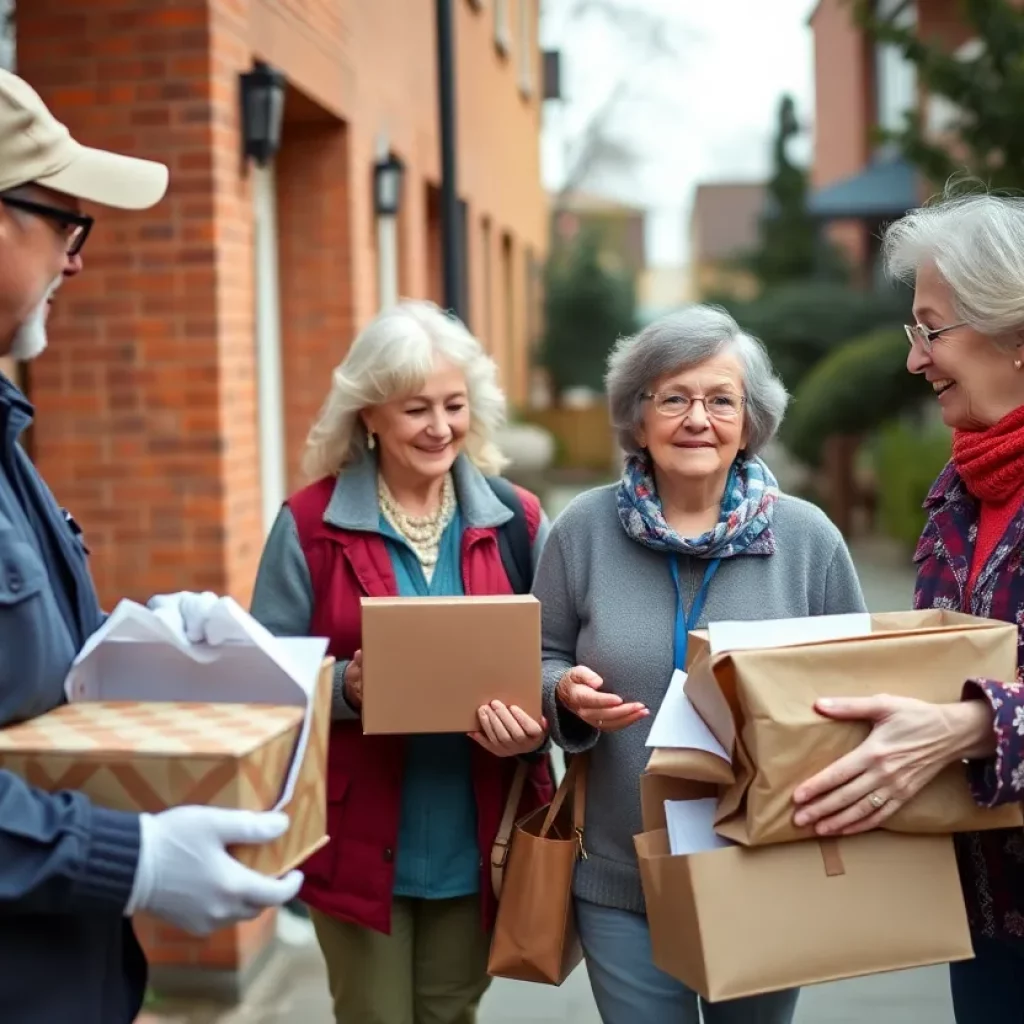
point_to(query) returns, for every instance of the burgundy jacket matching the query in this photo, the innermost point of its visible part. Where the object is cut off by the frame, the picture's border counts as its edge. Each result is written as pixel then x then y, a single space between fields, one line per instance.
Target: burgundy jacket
pixel 353 876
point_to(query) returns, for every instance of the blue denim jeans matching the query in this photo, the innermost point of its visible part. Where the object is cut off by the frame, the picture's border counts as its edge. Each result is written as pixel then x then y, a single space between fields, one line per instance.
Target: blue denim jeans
pixel 990 988
pixel 629 989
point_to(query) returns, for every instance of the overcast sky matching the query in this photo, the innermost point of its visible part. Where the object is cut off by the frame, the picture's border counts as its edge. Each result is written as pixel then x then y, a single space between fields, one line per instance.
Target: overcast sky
pixel 705 114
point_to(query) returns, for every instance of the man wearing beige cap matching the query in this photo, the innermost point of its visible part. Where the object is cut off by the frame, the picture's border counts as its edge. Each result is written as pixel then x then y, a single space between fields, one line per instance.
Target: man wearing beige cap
pixel 72 873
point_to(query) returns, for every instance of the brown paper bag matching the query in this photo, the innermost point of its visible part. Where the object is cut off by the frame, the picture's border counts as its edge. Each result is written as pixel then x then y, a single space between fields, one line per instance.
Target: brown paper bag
pixel 535 936
pixel 760 704
pixel 740 922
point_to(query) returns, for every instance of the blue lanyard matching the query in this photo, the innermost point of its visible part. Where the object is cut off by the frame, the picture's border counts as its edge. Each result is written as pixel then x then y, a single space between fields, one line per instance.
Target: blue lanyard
pixel 684 622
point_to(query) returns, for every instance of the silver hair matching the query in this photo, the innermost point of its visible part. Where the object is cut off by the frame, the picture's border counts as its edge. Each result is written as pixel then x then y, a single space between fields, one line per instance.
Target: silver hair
pixel 680 340
pixel 392 356
pixel 977 245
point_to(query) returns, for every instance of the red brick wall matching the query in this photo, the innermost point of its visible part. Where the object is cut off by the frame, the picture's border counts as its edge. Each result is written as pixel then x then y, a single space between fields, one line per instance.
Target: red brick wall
pixel 844 111
pixel 129 395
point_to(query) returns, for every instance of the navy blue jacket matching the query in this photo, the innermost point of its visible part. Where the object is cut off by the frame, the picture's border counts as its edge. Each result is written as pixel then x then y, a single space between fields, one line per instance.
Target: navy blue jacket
pixel 67 952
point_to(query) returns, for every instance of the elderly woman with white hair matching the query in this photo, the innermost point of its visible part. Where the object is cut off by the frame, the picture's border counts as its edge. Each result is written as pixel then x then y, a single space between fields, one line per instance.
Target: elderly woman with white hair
pixel 965 257
pixel 405 502
pixel 695 531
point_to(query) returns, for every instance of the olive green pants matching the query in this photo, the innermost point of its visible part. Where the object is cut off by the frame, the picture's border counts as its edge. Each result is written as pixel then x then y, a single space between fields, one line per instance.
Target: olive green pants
pixel 431 969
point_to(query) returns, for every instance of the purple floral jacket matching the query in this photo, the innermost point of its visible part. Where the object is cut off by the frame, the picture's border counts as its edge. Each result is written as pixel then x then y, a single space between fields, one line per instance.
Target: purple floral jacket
pixel 991 863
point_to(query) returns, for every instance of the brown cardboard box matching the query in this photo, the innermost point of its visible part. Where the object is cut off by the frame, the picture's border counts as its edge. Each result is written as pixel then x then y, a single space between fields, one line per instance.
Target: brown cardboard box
pixel 149 756
pixel 430 662
pixel 740 921
pixel 760 705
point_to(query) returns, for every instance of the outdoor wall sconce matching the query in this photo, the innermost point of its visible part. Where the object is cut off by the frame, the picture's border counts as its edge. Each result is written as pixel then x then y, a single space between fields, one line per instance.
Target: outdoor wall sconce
pixel 263 91
pixel 387 185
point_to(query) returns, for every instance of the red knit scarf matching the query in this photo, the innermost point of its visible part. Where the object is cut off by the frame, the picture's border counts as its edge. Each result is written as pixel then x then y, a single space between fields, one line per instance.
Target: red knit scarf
pixel 991 462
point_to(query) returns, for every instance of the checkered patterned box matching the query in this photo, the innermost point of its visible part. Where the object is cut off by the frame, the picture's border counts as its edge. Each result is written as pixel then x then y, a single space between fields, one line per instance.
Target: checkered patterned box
pixel 143 756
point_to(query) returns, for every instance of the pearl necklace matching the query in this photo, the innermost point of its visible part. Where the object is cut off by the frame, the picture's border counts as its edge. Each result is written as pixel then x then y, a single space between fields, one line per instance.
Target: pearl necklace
pixel 422 533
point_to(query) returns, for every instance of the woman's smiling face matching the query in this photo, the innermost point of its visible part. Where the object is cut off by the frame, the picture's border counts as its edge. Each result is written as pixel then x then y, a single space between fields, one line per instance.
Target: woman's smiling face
pixel 972 374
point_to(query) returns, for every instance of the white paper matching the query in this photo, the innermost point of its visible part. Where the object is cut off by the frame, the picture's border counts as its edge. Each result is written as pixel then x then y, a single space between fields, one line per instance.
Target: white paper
pixel 691 827
pixel 678 726
pixel 762 633
pixel 139 654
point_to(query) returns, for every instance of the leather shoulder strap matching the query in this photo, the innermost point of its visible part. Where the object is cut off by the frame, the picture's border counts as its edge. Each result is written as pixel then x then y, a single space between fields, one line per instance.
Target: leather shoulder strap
pixel 499 851
pixel 574 782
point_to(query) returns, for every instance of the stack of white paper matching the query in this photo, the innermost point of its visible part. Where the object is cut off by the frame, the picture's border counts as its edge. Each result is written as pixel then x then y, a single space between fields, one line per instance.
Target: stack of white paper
pixel 677 724
pixel 144 655
pixel 691 826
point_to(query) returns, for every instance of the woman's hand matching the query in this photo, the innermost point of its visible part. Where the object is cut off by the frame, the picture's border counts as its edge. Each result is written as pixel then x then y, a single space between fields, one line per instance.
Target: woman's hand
pixel 910 742
pixel 508 731
pixel 354 681
pixel 579 691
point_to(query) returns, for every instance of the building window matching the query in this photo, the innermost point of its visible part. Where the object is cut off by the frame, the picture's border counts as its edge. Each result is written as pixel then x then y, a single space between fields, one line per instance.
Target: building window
pixel 508 304
pixel 486 243
pixel 527 52
pixel 895 76
pixel 502 27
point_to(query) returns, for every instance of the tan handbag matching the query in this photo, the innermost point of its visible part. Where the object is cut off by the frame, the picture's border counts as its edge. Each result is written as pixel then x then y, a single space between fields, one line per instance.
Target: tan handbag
pixel 535 936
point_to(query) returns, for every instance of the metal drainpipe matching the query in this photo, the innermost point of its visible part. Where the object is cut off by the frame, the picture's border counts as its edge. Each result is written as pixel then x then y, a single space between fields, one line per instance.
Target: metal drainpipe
pixel 451 235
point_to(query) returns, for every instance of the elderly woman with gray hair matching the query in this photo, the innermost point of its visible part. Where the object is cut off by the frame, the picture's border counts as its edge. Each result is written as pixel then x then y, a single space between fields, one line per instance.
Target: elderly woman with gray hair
pixel 965 257
pixel 696 530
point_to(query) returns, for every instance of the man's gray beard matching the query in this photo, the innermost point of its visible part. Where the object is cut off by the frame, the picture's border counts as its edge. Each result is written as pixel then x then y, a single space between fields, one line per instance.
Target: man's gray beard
pixel 30 340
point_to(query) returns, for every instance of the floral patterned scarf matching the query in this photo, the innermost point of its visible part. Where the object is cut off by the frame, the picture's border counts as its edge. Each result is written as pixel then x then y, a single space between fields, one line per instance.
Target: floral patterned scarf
pixel 744 526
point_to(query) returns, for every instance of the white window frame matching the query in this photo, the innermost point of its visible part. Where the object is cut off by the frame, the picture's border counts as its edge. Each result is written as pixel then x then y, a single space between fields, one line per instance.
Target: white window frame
pixel 502 27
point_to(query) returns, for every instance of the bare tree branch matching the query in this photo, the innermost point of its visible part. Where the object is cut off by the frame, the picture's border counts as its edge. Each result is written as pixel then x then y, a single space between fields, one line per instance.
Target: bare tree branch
pixel 648 38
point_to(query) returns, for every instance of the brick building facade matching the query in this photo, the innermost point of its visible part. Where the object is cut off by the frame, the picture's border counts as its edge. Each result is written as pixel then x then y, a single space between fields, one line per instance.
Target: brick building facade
pixel 151 396
pixel 148 399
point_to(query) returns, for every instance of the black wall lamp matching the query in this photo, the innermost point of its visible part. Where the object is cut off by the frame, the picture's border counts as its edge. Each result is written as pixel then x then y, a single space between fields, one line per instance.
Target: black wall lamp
pixel 263 91
pixel 387 185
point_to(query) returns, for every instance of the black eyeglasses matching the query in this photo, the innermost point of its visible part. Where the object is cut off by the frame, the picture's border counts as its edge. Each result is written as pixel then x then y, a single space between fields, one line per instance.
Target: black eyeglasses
pixel 75 226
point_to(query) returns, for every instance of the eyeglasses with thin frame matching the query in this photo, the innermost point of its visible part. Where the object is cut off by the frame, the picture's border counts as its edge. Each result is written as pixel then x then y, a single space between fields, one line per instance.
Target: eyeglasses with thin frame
pixel 723 406
pixel 75 226
pixel 918 332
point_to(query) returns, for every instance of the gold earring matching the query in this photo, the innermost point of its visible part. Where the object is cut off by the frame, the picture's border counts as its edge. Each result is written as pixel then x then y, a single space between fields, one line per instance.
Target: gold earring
pixel 371 441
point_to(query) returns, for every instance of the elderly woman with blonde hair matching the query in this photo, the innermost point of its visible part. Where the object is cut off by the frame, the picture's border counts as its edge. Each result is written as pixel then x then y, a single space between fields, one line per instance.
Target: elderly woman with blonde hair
pixel 405 501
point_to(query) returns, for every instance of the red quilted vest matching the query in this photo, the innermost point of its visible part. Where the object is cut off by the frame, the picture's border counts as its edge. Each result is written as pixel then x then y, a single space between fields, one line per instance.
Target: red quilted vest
pixel 353 876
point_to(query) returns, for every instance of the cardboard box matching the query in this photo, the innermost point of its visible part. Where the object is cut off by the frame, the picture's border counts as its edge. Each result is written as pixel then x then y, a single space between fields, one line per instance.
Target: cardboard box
pixel 742 921
pixel 755 685
pixel 430 662
pixel 151 756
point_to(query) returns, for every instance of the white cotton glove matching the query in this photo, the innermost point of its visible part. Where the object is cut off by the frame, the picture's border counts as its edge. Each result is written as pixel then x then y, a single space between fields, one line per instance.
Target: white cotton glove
pixel 186 612
pixel 187 877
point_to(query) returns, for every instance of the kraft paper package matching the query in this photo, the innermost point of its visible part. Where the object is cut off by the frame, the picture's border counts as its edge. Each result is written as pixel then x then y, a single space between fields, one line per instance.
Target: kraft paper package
pixel 757 905
pixel 755 685
pixel 430 662
pixel 738 921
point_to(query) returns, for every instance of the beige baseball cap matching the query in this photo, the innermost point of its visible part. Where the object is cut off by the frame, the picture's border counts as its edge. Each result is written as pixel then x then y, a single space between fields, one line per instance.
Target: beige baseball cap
pixel 36 147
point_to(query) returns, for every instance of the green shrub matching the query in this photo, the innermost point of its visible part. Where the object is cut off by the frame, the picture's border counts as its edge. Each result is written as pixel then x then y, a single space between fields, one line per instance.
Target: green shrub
pixel 800 324
pixel 854 390
pixel 907 461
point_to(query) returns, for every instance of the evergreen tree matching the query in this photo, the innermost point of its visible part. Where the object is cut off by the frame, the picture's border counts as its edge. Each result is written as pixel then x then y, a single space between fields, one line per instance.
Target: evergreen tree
pixel 587 309
pixel 790 248
pixel 983 87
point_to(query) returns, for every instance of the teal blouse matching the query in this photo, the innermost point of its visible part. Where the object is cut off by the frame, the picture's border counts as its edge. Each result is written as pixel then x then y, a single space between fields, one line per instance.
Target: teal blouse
pixel 437 856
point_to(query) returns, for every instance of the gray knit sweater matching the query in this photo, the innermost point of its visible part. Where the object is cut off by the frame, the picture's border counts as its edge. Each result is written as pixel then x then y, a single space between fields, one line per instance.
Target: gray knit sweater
pixel 609 603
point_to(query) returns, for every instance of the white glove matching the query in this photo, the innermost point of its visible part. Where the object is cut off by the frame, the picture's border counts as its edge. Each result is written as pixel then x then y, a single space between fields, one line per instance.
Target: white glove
pixel 186 876
pixel 186 612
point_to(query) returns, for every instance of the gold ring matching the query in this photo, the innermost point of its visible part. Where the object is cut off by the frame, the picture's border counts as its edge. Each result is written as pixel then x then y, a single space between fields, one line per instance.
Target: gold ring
pixel 877 801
